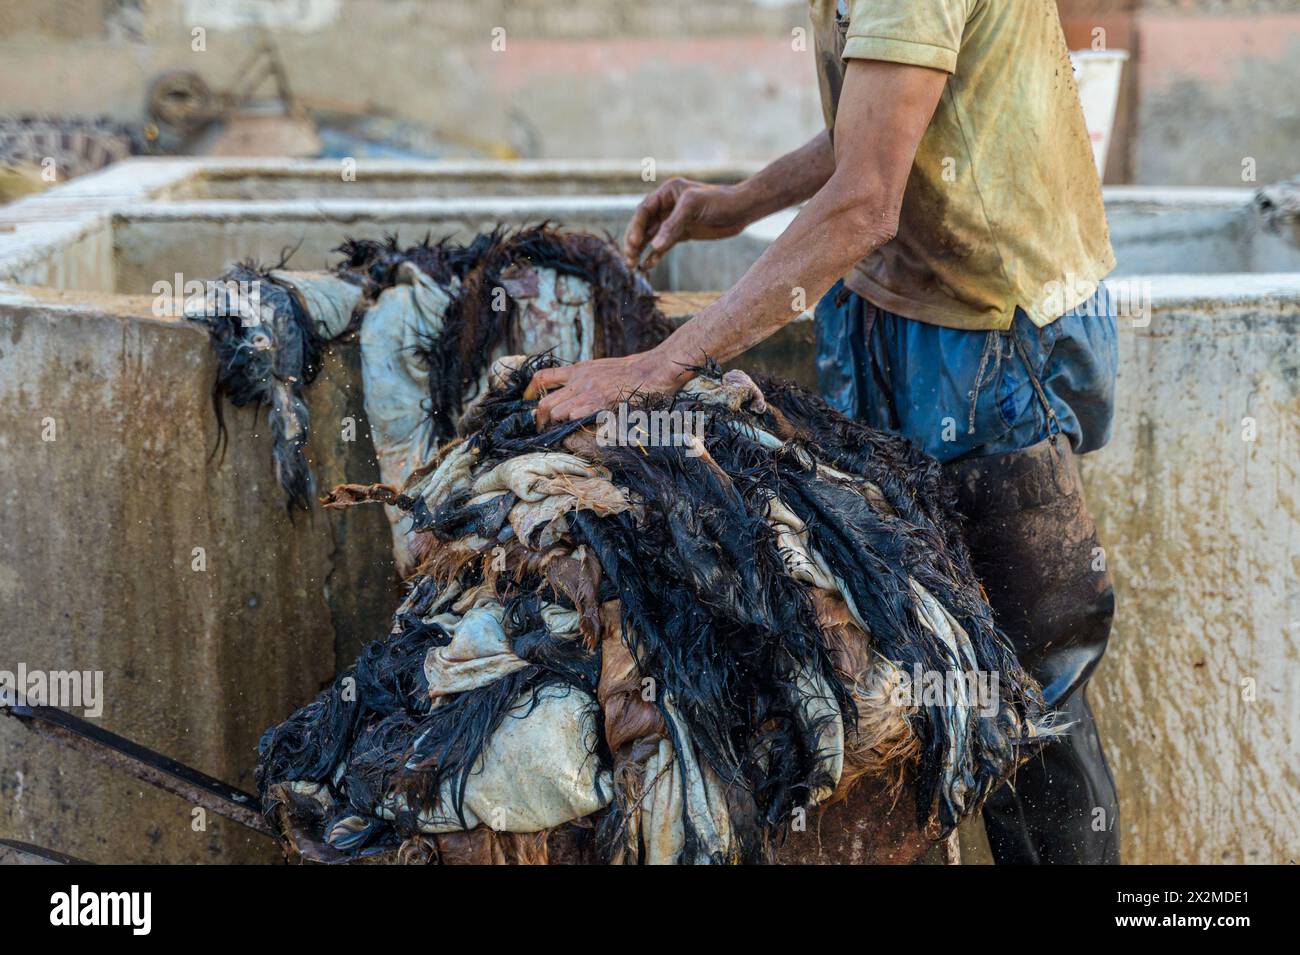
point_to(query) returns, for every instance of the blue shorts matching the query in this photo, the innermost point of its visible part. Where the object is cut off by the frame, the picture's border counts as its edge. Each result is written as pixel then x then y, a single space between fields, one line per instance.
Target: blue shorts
pixel 960 394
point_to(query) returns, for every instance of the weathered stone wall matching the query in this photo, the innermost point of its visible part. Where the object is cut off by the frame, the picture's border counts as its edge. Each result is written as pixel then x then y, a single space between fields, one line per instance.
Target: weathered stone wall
pixel 1209 86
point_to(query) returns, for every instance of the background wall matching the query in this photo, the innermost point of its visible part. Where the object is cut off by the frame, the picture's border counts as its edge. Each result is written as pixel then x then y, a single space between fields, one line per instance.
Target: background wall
pixel 1212 83
pixel 594 78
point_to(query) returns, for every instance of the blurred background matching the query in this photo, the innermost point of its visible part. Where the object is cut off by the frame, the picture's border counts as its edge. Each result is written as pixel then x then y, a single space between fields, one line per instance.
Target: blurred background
pixel 1208 84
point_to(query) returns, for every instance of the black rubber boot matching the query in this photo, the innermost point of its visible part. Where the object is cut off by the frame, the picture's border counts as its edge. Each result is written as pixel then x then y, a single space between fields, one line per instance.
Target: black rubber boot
pixel 1034 545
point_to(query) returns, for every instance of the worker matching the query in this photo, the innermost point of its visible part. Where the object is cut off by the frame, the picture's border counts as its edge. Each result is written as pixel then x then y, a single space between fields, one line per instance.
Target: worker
pixel 954 235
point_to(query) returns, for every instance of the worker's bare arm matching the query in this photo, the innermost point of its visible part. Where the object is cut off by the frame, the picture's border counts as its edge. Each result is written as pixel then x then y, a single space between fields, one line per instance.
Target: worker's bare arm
pixel 884 110
pixel 684 209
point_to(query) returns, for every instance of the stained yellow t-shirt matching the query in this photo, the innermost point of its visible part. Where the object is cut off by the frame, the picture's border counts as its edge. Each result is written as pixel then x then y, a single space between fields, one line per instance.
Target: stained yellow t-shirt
pixel 1003 206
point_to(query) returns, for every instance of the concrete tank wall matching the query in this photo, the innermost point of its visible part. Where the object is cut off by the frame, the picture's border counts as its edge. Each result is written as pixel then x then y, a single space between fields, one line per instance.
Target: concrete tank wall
pixel 97 572
pixel 142 221
pixel 1154 231
pixel 202 239
pixel 1198 502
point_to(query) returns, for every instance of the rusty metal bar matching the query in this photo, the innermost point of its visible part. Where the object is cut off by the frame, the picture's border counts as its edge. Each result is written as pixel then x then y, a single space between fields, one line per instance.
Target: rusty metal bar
pixel 141 762
pixel 25 853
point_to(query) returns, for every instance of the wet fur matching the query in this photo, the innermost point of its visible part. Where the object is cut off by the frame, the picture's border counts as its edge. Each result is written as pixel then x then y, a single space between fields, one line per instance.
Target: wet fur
pixel 708 611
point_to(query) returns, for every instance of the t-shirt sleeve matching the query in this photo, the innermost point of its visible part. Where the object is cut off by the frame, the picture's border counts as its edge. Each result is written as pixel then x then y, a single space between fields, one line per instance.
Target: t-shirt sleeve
pixel 916 32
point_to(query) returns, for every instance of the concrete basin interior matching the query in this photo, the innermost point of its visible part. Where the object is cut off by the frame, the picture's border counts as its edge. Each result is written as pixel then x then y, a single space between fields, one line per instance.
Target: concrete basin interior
pixel 142 221
pixel 1198 494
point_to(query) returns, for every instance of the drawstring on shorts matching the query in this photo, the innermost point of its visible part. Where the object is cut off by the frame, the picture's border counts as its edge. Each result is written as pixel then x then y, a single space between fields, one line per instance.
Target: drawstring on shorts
pixel 993 350
pixel 1053 425
pixel 991 343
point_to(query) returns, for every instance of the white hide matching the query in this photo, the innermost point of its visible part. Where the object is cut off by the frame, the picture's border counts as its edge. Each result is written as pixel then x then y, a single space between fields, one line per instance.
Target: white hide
pixel 396 383
pixel 537 771
pixel 329 300
pixel 554 313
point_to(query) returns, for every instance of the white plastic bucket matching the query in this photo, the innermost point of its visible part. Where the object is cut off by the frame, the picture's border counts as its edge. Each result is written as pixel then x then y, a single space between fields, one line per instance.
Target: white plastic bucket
pixel 1097 73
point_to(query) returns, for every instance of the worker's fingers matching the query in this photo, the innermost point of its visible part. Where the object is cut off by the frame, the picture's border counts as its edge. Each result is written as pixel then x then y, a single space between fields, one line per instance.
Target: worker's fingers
pixel 542 413
pixel 563 411
pixel 547 379
pixel 645 221
pixel 673 229
pixel 556 407
pixel 550 404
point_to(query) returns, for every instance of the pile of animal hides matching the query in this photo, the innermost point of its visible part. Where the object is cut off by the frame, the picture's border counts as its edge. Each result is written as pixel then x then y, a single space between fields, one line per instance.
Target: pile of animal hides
pixel 665 650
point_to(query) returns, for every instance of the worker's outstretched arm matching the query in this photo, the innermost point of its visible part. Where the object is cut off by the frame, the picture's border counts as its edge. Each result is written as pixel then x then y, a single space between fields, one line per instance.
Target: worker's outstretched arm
pixel 884 110
pixel 683 209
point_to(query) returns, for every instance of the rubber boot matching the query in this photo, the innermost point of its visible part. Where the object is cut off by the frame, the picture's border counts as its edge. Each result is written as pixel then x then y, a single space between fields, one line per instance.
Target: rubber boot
pixel 1034 546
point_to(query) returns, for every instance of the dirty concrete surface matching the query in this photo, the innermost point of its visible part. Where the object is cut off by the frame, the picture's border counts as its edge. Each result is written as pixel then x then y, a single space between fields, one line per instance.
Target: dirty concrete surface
pixel 1198 503
pixel 201 650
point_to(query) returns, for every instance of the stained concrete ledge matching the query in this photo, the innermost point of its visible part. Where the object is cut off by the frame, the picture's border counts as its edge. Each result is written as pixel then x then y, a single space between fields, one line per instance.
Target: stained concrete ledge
pixel 289 179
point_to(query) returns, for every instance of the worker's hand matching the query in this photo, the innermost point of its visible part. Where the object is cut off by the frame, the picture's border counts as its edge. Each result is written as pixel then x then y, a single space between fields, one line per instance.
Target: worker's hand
pixel 575 391
pixel 683 209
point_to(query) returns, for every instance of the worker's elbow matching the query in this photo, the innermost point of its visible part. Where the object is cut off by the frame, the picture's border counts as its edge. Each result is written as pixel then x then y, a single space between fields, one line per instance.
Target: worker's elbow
pixel 870 220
